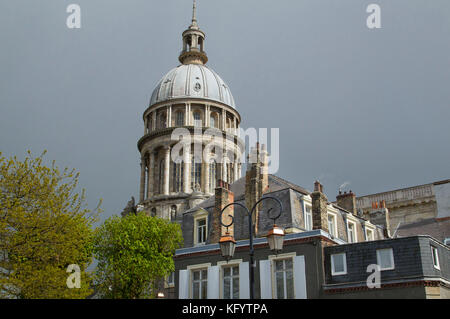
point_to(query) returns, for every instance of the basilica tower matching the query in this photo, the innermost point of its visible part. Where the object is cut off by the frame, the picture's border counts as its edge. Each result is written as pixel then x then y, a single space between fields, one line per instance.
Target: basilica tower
pixel 191 96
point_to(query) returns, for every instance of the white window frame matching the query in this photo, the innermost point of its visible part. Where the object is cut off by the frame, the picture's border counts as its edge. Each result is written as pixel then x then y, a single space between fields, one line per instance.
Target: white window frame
pixel 273 259
pixel 191 270
pixel 308 226
pixel 367 235
pixel 198 216
pixel 335 229
pixel 338 273
pixel 355 232
pixel 435 253
pixel 391 256
pixel 231 263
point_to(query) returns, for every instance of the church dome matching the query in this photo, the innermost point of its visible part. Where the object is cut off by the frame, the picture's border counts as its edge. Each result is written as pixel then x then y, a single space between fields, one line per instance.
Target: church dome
pixel 192 81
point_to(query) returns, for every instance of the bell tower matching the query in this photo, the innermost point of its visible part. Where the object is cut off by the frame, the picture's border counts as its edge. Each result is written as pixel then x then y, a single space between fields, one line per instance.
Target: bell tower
pixel 193 43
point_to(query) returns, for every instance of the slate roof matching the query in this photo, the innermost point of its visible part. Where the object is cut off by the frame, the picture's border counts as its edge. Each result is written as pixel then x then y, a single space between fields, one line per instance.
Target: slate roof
pixel 238 188
pixel 438 229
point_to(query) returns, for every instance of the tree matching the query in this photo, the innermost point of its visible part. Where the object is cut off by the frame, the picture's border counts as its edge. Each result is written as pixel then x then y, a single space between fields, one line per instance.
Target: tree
pixel 134 254
pixel 44 227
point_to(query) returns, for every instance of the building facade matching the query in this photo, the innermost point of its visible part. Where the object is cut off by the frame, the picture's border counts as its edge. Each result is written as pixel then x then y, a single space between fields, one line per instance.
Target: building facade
pixel 328 246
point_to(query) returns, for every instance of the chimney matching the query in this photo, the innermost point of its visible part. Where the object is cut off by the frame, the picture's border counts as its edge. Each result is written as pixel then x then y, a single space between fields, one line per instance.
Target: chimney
pixel 319 208
pixel 256 179
pixel 347 201
pixel 223 197
pixel 379 215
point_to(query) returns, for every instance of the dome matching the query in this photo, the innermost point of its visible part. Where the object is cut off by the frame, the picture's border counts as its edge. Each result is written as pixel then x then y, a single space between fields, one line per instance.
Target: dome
pixel 192 81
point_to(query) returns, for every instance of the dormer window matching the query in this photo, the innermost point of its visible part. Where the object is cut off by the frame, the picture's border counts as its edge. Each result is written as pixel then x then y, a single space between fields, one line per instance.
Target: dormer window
pixel 351 227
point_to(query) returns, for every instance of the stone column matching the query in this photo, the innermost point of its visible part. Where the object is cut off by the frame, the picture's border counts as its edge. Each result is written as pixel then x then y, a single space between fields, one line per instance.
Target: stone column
pixel 189 114
pixel 167 118
pixel 154 120
pixel 207 116
pixel 205 174
pixel 236 170
pixel 224 169
pixel 142 186
pixel 224 120
pixel 145 125
pixel 234 125
pixel 186 171
pixel 166 169
pixel 151 175
pixel 169 112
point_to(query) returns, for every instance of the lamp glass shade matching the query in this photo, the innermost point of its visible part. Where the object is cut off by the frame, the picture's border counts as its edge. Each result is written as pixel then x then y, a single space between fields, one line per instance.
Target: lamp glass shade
pixel 227 245
pixel 275 237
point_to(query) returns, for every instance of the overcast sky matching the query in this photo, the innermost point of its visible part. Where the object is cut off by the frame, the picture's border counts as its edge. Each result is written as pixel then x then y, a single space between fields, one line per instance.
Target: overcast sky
pixel 370 107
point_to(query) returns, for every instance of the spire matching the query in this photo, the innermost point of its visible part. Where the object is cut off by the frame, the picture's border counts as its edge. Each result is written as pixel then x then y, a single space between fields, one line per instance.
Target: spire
pixel 193 42
pixel 194 16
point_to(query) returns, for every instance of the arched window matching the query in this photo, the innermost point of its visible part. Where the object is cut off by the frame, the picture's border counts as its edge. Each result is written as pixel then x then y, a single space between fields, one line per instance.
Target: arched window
pixel 196 173
pixel 149 123
pixel 197 119
pixel 161 176
pixel 213 120
pixel 173 213
pixel 179 120
pixel 162 122
pixel 177 177
pixel 153 212
pixel 212 175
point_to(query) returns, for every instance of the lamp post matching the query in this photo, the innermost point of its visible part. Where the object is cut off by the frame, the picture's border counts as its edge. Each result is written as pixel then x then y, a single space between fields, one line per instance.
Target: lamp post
pixel 275 237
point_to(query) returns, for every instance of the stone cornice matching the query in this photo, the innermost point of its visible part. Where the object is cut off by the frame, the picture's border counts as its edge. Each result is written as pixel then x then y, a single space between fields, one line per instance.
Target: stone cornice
pixel 168 132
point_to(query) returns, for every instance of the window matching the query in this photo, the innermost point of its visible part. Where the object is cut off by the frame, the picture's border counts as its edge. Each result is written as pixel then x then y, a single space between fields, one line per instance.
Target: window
pixel 170 282
pixel 447 241
pixel 177 177
pixel 197 119
pixel 196 174
pixel 369 234
pixel 385 259
pixel 199 283
pixel 284 278
pixel 179 120
pixel 351 226
pixel 308 218
pixel 338 264
pixel 161 176
pixel 162 120
pixel 201 231
pixel 173 213
pixel 231 282
pixel 332 225
pixel 213 120
pixel 435 256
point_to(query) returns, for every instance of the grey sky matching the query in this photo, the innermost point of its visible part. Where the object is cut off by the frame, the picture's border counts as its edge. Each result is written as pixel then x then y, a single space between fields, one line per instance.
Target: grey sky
pixel 369 107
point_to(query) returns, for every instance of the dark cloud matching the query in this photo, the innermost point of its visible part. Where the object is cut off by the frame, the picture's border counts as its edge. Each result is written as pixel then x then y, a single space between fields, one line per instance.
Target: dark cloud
pixel 367 107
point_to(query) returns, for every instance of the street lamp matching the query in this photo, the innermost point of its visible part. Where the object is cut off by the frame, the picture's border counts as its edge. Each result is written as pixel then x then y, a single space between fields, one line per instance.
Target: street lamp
pixel 275 237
